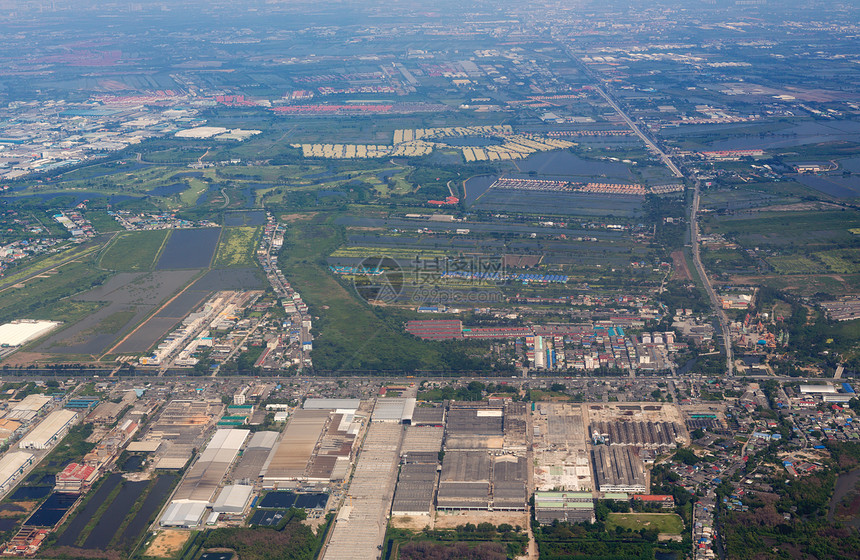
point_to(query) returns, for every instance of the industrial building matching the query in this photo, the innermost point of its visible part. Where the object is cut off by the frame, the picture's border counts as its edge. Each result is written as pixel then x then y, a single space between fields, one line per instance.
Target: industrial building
pixel 75 477
pixel 359 529
pixel 415 488
pixel 20 332
pixel 394 410
pixel 288 462
pixel 183 514
pixel 202 480
pixel 477 480
pixel 28 408
pixel 254 457
pixel 573 507
pixel 618 469
pixel 12 465
pixel 233 499
pixel 50 430
pixel 649 434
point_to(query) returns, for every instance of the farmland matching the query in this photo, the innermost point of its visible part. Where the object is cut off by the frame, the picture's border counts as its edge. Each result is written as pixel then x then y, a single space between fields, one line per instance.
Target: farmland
pixel 236 247
pixel 189 248
pixel 134 251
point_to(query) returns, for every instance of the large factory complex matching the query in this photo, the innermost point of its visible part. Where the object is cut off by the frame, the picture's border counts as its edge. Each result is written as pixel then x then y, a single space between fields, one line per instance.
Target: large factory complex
pixel 392 458
pixel 371 461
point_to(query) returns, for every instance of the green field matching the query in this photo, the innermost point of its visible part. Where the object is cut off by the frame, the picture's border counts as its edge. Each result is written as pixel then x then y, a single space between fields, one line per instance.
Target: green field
pixel 668 523
pixel 236 247
pixel 134 251
pixel 795 264
pixel 38 297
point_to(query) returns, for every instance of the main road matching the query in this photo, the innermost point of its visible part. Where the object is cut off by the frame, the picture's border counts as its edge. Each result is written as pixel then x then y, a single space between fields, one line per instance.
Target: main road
pixel 694 226
pixel 635 128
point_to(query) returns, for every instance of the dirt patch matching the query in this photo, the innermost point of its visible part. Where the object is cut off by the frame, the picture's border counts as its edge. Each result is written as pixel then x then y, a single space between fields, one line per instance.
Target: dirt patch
pixel 25 358
pixel 289 218
pixel 413 522
pixel 451 520
pixel 679 263
pixel 167 544
pixel 15 509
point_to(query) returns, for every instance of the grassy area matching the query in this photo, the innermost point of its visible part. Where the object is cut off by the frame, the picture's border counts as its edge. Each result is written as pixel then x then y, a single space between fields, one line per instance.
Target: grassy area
pixel 350 335
pixel 795 264
pixel 32 298
pixel 663 522
pixel 237 247
pixel 102 221
pixel 134 251
pixel 189 196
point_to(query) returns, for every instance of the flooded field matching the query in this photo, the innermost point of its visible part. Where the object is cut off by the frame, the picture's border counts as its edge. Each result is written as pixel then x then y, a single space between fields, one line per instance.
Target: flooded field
pixel 113 530
pixel 189 248
pixel 245 218
pixel 83 516
pixel 30 493
pixel 566 163
pixel 833 185
pixel 267 517
pixel 558 204
pixel 130 297
pixel 107 527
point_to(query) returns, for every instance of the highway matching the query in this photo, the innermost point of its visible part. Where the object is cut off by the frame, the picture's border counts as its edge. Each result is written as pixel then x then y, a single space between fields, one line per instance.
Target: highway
pixel 694 228
pixel 712 295
pixel 635 128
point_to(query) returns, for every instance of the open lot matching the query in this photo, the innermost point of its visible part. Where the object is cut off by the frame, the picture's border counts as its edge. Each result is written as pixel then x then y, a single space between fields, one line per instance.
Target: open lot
pixel 668 523
pixel 133 251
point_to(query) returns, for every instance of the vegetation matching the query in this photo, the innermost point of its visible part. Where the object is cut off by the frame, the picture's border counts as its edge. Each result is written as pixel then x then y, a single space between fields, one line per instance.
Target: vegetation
pixel 290 541
pixel 134 251
pixel 237 247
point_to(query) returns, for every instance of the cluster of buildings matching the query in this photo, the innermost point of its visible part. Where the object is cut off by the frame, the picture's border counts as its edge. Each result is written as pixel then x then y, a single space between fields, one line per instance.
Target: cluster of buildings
pixel 134 221
pixel 223 312
pixel 41 136
pixel 293 342
pixel 78 226
pixel 24 249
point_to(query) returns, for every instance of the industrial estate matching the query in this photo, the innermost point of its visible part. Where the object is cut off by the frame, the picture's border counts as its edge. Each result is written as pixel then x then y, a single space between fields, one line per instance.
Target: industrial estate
pixel 409 281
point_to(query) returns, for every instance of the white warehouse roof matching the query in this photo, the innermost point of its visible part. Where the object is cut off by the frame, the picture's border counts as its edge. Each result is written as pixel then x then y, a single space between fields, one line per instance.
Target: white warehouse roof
pixel 41 437
pixel 232 499
pixel 11 465
pixel 17 333
pixel 331 404
pixel 183 514
pixel 806 389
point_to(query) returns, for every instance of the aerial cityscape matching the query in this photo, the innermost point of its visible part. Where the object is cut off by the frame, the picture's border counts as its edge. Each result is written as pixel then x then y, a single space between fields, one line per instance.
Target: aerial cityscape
pixel 360 280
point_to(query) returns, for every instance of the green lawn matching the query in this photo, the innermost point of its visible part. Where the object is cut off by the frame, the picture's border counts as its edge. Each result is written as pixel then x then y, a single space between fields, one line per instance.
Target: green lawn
pixel 664 522
pixel 134 251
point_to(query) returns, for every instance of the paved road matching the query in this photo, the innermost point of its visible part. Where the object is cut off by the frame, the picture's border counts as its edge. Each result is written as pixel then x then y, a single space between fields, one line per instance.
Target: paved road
pixel 635 128
pixel 712 295
pixel 694 228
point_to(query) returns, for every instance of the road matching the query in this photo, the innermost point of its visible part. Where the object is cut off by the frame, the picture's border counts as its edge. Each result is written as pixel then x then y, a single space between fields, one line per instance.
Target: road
pixel 712 295
pixel 635 128
pixel 694 228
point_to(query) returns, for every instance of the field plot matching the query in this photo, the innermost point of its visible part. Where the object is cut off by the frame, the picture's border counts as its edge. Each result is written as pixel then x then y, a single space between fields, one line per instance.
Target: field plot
pixel 559 204
pixel 841 261
pixel 237 247
pixel 133 251
pixel 795 264
pixel 130 298
pixel 668 523
pixel 189 248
